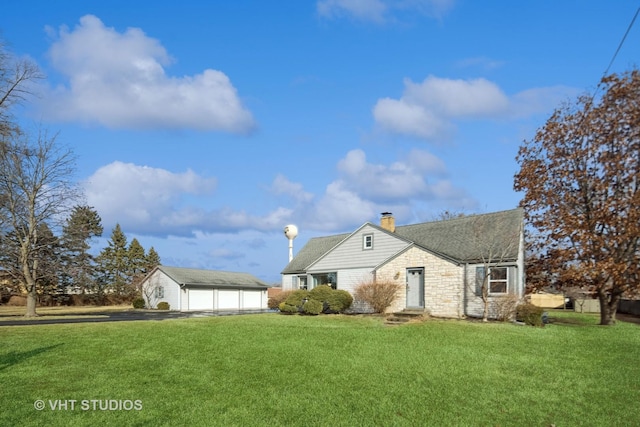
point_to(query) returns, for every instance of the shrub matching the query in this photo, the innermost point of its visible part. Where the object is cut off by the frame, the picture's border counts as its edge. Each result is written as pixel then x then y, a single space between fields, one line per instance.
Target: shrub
pixel 339 300
pixel 505 307
pixel 138 303
pixel 529 314
pixel 312 306
pixel 378 294
pixel 274 301
pixel 17 301
pixel 321 293
pixel 163 305
pixel 287 308
pixel 296 298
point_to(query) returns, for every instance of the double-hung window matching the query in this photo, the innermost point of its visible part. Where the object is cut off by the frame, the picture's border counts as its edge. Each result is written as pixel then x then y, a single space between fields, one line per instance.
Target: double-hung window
pixel 498 279
pixel 159 292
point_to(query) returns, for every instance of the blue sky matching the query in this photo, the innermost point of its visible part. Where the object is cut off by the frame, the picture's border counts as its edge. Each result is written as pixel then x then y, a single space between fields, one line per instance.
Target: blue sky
pixel 203 128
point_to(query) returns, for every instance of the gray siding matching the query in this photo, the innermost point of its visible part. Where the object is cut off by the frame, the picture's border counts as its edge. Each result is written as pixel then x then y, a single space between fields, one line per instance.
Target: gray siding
pixel 350 253
pixel 475 306
pixel 349 279
pixel 170 287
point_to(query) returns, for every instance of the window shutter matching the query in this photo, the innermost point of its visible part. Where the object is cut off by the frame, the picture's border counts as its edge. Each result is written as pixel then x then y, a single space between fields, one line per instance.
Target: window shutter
pixel 511 275
pixel 479 280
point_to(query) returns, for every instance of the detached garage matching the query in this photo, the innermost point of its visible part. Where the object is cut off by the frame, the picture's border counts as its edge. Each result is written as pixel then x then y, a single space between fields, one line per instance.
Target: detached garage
pixel 188 289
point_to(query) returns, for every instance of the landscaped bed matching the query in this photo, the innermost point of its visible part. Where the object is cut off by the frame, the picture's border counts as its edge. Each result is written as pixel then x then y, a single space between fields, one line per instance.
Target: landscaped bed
pixel 320 370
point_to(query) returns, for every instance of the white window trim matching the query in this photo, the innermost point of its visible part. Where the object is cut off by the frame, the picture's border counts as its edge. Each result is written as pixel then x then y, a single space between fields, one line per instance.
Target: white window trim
pixel 505 280
pixel 159 292
pixel 364 242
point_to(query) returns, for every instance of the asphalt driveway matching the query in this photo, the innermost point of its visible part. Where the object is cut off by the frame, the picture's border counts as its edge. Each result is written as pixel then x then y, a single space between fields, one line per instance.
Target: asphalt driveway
pixel 121 316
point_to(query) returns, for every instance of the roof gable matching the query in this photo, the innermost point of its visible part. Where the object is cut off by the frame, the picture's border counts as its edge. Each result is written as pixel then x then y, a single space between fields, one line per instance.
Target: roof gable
pixel 198 277
pixel 349 252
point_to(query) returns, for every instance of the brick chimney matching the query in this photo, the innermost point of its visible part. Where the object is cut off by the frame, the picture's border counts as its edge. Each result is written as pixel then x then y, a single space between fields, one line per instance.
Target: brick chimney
pixel 388 222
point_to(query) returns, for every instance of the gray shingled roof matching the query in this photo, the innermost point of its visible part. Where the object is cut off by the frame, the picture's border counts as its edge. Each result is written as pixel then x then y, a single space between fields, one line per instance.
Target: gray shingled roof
pixel 464 239
pixel 222 279
pixel 470 238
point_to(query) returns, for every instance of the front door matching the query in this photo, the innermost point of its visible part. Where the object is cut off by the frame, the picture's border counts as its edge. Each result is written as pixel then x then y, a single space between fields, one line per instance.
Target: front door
pixel 415 288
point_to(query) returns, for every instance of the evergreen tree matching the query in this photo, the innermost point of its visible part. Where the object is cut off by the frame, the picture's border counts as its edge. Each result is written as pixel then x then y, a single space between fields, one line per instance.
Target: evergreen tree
pixel 78 273
pixel 137 261
pixel 152 261
pixel 114 264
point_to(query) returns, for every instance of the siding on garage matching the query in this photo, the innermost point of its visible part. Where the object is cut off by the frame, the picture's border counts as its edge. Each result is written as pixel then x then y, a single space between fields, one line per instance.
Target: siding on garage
pixel 170 288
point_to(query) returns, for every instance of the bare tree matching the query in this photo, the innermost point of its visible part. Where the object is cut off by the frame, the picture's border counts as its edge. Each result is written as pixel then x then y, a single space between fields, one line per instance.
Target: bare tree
pixel 152 291
pixel 16 76
pixel 36 188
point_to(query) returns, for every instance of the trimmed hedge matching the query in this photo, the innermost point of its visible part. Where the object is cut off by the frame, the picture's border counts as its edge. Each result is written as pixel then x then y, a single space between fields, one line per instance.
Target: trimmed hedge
pixel 321 299
pixel 312 306
pixel 339 300
pixel 163 305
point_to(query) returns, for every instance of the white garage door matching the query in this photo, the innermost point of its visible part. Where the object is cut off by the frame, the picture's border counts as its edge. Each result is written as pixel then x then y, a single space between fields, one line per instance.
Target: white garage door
pixel 200 299
pixel 252 299
pixel 228 300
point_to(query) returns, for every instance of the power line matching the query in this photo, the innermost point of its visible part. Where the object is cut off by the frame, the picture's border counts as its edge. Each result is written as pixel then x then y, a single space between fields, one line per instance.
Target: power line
pixel 622 42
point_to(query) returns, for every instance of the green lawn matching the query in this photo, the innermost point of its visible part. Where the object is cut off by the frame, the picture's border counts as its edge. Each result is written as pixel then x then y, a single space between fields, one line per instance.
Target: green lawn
pixel 271 369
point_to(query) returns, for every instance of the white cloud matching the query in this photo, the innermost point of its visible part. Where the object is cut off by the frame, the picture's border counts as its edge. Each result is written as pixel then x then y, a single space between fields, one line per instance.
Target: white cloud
pixel 380 11
pixel 538 100
pixel 295 190
pixel 141 196
pixel 397 181
pixel 153 201
pixel 156 202
pixel 429 109
pixel 363 189
pixel 118 80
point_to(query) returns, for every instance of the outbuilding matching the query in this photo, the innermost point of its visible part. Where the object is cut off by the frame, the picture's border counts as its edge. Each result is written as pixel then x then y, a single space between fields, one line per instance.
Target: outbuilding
pixel 188 289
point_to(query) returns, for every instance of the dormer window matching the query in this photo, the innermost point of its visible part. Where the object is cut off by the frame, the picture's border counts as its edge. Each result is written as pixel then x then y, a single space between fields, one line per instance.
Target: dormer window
pixel 367 241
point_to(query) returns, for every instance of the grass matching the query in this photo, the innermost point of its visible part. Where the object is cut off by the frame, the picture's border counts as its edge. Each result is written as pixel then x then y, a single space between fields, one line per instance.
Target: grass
pixel 271 369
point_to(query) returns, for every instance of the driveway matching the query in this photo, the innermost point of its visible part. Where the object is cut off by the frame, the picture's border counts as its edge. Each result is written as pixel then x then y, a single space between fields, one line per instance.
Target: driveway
pixel 123 316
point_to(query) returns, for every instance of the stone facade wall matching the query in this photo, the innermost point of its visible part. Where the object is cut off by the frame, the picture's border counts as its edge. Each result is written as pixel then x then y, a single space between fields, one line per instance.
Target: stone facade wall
pixel 443 282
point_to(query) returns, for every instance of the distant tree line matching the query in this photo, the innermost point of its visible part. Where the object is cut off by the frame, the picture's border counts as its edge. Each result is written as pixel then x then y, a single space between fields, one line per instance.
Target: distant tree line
pixel 45 233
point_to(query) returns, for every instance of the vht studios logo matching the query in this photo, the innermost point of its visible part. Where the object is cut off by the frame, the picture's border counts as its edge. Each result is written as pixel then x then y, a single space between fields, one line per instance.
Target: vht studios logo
pixel 88 405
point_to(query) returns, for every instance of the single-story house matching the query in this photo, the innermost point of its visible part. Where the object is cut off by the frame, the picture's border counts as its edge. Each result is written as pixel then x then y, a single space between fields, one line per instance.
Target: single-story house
pixel 188 289
pixel 441 266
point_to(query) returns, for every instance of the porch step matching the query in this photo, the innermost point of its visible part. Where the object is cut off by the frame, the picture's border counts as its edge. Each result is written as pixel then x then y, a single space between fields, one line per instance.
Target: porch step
pixel 404 316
